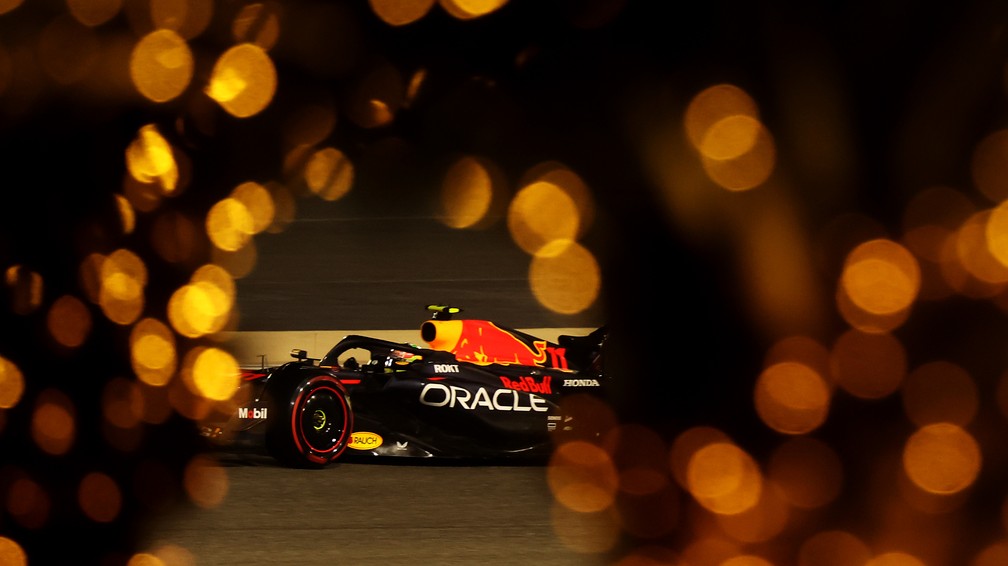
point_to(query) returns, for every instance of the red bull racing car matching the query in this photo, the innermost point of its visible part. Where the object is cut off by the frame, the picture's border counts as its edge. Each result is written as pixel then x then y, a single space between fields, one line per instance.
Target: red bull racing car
pixel 477 390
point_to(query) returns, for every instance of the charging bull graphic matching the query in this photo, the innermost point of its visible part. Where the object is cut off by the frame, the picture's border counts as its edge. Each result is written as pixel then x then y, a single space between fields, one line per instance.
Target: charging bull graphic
pixel 484 342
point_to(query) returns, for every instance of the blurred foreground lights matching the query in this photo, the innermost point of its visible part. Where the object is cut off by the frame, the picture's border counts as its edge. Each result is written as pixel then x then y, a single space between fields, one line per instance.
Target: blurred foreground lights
pixel 724 479
pixel 27 502
pixel 747 560
pixel 211 373
pixel 123 277
pixel 257 23
pixel 8 5
pixel 895 558
pixel 157 403
pixel 205 481
pixel 204 305
pixel 122 403
pixel 942 458
pixel 309 126
pixel 69 321
pixel 542 213
pixel 99 497
pixel 559 175
pixel 376 97
pixel 469 9
pixel 712 105
pixel 12 384
pixel 865 321
pixel 595 416
pixel 647 502
pixel 997 232
pixel 867 365
pixel 142 196
pixel 152 352
pixel 67 50
pixel 988 167
pixel 806 471
pixel 649 555
pixel 284 208
pixel 638 453
pixel 258 202
pixel 413 89
pixel 833 548
pixel 123 407
pixel 126 213
pixel 26 289
pixel 329 174
pixel 565 277
pixel 11 553
pixel 582 477
pixel 759 523
pixel 649 516
pixel 685 445
pixel 176 237
pixel 1001 395
pixel 243 81
pixel 238 263
pixel 940 392
pixel 164 555
pixel 221 284
pixel 53 422
pixel 229 224
pixel 792 398
pixel 161 65
pixel 93 12
pixel 976 244
pixel 736 150
pixel 738 153
pixel 881 277
pixel 467 193
pixel 709 550
pixel 994 555
pixel 801 349
pixel 399 12
pixel 150 559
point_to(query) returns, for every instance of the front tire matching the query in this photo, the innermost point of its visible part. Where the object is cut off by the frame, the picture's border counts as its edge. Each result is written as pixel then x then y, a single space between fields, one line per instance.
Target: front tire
pixel 314 425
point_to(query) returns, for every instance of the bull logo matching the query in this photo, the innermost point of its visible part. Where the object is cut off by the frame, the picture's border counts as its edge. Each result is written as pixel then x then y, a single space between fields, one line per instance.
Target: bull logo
pixel 482 342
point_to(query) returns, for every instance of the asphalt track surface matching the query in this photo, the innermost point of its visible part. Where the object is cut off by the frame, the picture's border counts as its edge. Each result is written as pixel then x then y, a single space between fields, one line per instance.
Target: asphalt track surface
pixel 373 513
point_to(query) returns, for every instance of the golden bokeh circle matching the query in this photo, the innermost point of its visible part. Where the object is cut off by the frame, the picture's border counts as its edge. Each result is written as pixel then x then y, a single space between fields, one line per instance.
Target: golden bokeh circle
pixel 161 65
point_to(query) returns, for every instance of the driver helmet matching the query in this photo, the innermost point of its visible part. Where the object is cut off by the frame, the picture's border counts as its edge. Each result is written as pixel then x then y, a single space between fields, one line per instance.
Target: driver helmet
pixel 402 356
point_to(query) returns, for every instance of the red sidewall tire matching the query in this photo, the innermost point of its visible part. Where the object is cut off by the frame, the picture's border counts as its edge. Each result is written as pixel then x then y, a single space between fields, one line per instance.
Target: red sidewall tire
pixel 321 420
pixel 315 426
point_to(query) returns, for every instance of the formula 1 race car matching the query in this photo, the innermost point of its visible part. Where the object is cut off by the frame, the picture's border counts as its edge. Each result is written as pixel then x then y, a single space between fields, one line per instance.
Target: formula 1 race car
pixel 477 391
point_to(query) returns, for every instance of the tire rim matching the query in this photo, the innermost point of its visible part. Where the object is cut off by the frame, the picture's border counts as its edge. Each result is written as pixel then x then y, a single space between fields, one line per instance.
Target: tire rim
pixel 321 426
pixel 318 420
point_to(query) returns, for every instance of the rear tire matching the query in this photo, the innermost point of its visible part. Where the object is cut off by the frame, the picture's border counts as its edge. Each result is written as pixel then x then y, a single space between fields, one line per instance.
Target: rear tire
pixel 314 425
